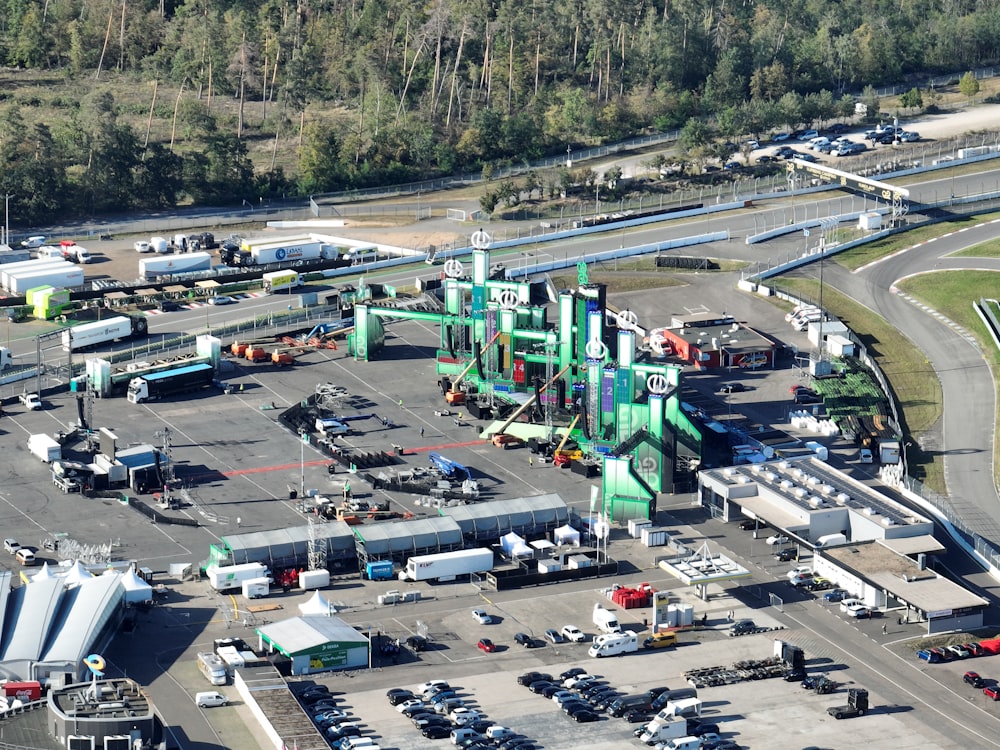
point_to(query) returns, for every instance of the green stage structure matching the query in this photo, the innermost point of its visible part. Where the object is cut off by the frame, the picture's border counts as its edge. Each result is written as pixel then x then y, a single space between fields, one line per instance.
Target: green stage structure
pixel 582 373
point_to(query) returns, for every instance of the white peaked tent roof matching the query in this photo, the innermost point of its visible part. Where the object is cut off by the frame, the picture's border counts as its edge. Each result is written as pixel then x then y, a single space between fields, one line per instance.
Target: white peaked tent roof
pixel 44 574
pixel 521 550
pixel 566 534
pixel 77 573
pixel 136 589
pixel 509 541
pixel 316 605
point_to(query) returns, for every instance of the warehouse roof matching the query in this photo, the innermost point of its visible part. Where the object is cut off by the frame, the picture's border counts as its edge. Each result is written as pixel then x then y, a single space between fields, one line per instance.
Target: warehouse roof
pixel 404 536
pixel 302 635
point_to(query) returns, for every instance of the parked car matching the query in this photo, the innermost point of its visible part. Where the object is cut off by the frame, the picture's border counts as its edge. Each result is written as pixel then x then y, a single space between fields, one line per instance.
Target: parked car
pixel 11 545
pixel 836 595
pixel 765 159
pixel 808 135
pixel 573 633
pixel 751 524
pixel 485 644
pixel 523 639
pixel 909 136
pixel 992 692
pixel 529 677
pixel 777 137
pixel 973 678
pixel 819 584
pixel 777 539
pixel 974 649
pixel 959 652
pixel 732 388
pixel 552 636
pixel 222 299
pixel 398 695
pixel 837 128
pixel 482 617
pixel 572 672
pixel 585 715
pixel 538 687
pixel 785 555
pixel 743 627
pixel 436 731
pixel 859 611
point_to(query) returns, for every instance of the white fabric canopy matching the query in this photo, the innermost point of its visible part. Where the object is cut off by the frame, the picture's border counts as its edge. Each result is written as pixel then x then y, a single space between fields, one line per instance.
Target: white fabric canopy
pixel 509 541
pixel 566 535
pixel 316 605
pixel 136 589
pixel 44 574
pixel 521 550
pixel 77 573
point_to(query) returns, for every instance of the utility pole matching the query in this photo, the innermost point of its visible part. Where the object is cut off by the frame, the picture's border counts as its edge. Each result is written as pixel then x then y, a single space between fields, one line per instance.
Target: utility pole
pixel 5 238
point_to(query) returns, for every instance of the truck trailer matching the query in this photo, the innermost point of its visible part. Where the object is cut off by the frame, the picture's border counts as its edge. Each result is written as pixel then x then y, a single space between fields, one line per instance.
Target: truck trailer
pixel 66 276
pixel 283 249
pixel 102 332
pixel 45 448
pixel 37 264
pixel 277 281
pixel 168 382
pixel 232 576
pixel 447 566
pixel 152 268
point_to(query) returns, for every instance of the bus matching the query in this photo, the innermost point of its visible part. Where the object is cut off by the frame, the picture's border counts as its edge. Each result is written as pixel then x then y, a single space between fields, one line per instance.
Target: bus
pixel 277 281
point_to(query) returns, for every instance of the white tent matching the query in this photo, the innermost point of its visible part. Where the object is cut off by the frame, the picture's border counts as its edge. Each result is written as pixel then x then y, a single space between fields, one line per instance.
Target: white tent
pixel 76 574
pixel 521 550
pixel 44 574
pixel 566 535
pixel 509 541
pixel 317 605
pixel 136 589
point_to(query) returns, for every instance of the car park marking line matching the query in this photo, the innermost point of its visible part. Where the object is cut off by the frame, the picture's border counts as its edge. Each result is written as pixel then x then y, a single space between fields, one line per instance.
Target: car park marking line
pixel 899 686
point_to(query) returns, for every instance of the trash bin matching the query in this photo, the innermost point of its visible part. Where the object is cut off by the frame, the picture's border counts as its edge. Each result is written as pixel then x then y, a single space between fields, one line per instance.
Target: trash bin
pixel 292 494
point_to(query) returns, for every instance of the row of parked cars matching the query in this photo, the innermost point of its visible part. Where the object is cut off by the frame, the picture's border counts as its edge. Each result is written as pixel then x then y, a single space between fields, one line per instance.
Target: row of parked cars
pixel 950 653
pixel 341 729
pixel 438 711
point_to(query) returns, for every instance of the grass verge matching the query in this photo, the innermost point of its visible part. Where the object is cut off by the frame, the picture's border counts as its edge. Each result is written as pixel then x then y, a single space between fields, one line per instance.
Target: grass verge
pixel 989 249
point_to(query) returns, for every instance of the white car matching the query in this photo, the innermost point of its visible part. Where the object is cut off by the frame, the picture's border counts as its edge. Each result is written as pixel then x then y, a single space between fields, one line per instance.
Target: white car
pixel 780 137
pixel 858 610
pixel 846 604
pixel 36 241
pixel 410 704
pixel 431 685
pixel 462 716
pixel 573 633
pixel 482 617
pixel 802 570
pixel 808 135
pixel 141 246
pixel 777 539
pixel 578 682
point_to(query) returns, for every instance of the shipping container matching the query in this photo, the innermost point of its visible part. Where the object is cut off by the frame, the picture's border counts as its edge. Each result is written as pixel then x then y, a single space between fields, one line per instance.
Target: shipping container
pixel 314 579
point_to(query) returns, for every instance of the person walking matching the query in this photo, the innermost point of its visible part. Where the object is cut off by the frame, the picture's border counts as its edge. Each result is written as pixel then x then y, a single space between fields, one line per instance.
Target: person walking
pixel 421 432
pixel 531 461
pixel 238 521
pixel 885 629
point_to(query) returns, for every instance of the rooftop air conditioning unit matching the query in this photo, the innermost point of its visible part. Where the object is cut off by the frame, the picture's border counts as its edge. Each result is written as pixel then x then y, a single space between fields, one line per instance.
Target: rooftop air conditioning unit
pixel 869 511
pixel 800 492
pixel 826 489
pixel 843 498
pixel 787 484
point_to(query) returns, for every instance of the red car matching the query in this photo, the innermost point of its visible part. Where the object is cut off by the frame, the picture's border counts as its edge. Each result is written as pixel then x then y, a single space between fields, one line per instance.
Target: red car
pixel 992 692
pixel 486 645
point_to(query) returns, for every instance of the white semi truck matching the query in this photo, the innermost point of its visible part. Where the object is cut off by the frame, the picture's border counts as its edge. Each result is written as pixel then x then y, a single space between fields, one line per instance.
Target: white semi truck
pixel 151 268
pixel 447 566
pixel 102 331
pixel 283 249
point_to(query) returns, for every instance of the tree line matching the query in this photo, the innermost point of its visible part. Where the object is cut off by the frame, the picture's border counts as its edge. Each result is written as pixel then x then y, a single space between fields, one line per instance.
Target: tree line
pixel 268 97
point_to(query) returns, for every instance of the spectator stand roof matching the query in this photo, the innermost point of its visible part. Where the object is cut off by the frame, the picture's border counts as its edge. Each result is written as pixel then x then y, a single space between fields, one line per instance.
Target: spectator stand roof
pixel 527 516
pixel 85 611
pixel 290 544
pixel 399 540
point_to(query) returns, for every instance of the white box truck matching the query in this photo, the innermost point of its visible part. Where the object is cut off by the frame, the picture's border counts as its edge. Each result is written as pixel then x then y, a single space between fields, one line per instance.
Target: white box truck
pixel 606 621
pixel 102 331
pixel 6 359
pixel 614 644
pixel 447 566
pixel 278 281
pixel 658 730
pixel 256 588
pixel 45 448
pixel 232 576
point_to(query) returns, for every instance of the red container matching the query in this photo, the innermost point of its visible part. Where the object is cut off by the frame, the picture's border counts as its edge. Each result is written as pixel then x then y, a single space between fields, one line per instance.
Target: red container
pixel 26 691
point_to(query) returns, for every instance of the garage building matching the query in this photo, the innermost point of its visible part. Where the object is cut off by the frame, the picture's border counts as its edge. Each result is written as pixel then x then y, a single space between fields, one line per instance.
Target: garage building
pixel 316 643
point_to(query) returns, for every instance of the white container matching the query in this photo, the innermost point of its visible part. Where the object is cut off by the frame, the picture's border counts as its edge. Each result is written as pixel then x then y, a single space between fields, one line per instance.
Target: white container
pixel 314 579
pixel 653 537
pixel 575 562
pixel 635 526
pixel 672 616
pixel 685 615
pixel 256 588
pixel 549 566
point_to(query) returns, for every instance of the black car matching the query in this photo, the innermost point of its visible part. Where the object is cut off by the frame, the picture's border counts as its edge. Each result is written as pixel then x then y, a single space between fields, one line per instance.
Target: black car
pixel 636 716
pixel 551 690
pixel 886 139
pixel 794 675
pixel 750 524
pixel 765 159
pixel 167 305
pixel 540 686
pixel 529 677
pixel 786 555
pixel 838 128
pixel 584 715
pixel 732 388
pixel 742 628
pixel 785 152
pixel 524 639
pixel 574 672
pixel 436 731
pixel 571 706
pixel 399 695
pixel 697 727
pixel 417 643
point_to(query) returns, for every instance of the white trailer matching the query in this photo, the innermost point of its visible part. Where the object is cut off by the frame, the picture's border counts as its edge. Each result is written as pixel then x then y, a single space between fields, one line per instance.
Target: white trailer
pixel 613 644
pixel 45 448
pixel 232 576
pixel 447 566
pixel 277 281
pixel 151 268
pixel 102 331
pixel 284 252
pixel 68 277
pixel 11 270
pixel 256 588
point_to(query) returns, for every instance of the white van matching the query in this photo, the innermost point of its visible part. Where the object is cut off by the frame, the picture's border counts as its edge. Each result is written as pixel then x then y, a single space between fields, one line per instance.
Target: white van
pixel 25 556
pixel 802 322
pixel 683 743
pixel 210 699
pixel 464 733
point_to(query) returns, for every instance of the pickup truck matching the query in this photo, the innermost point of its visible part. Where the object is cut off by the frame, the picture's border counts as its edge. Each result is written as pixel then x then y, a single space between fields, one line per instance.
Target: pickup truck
pixel 31 401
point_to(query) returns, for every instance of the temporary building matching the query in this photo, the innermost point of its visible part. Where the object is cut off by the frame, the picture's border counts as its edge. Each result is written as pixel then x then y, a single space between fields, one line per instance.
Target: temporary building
pixel 317 605
pixel 526 516
pixel 76 574
pixel 566 535
pixel 136 589
pixel 509 541
pixel 400 540
pixel 316 643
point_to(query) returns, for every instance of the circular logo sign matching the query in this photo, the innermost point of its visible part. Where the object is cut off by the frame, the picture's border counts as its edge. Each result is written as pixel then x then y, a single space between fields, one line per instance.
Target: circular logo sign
pixel 453 268
pixel 626 319
pixel 647 465
pixel 508 299
pixel 480 240
pixel 657 383
pixel 95 663
pixel 280 253
pixel 596 349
